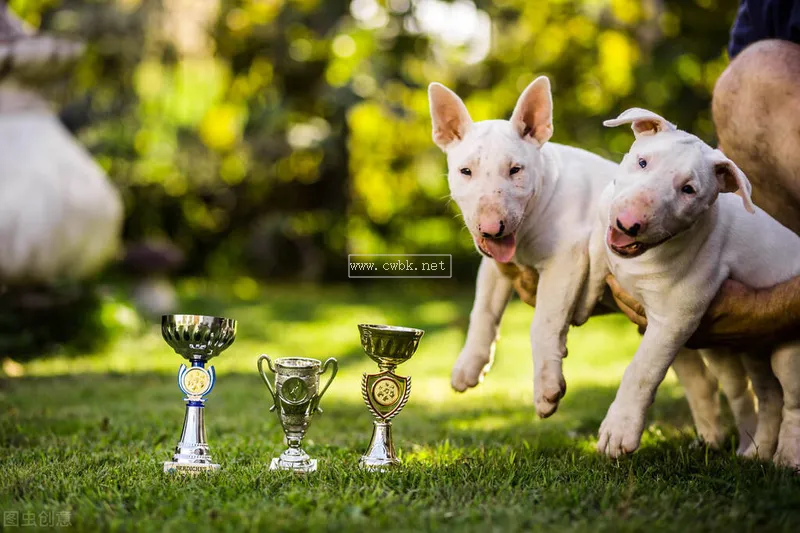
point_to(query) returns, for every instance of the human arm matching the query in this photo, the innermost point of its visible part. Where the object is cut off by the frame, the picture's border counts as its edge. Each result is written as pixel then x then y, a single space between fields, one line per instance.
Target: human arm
pixel 738 314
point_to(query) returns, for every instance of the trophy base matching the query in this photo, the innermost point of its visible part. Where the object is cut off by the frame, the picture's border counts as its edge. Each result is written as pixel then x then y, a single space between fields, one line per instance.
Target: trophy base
pixel 172 467
pixel 375 464
pixel 294 459
pixel 301 468
pixel 380 456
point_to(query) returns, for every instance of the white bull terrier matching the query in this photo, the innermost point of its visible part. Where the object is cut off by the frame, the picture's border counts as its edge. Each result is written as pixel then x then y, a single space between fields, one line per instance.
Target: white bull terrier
pixel 671 236
pixel 534 203
pixel 528 201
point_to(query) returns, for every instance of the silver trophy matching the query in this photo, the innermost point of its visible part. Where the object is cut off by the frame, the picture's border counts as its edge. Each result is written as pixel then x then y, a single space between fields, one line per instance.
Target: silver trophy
pixel 197 338
pixel 296 398
pixel 385 393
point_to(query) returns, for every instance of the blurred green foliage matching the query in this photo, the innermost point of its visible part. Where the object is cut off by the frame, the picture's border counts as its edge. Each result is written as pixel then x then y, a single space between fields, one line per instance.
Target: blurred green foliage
pixel 273 137
pixel 66 318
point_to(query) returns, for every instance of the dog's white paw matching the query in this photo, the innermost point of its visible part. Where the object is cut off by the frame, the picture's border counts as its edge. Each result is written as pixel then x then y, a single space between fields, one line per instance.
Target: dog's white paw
pixel 748 441
pixel 762 449
pixel 469 369
pixel 788 452
pixel 548 389
pixel 762 443
pixel 620 432
pixel 788 455
pixel 747 450
pixel 710 434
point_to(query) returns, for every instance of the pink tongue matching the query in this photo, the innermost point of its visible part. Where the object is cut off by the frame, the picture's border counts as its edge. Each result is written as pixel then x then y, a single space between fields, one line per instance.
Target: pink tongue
pixel 502 249
pixel 616 238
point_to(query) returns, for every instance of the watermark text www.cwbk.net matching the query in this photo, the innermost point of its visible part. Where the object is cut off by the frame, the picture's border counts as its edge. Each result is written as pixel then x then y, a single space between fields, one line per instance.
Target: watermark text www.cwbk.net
pixel 400 266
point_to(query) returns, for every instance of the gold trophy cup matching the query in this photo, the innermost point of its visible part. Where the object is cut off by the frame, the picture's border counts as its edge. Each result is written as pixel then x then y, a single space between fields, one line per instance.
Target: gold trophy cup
pixel 385 393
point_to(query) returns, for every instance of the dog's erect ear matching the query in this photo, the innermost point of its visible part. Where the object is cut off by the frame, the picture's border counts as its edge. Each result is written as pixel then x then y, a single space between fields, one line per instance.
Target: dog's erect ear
pixel 448 114
pixel 642 121
pixel 731 179
pixel 533 114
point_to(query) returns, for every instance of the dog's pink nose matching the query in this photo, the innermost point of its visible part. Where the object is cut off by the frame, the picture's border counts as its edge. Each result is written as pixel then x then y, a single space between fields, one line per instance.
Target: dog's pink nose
pixel 630 222
pixel 491 226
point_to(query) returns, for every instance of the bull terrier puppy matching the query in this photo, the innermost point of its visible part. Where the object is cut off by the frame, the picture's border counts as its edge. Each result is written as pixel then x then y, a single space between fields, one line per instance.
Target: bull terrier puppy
pixel 531 204
pixel 675 223
pixel 526 201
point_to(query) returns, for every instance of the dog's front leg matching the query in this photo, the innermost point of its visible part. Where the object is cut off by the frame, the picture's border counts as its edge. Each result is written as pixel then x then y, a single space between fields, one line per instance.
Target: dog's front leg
pixel 492 293
pixel 621 431
pixel 560 283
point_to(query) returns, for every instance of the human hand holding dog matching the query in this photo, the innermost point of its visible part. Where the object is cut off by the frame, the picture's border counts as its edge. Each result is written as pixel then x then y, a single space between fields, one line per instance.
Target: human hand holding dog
pixel 627 303
pixel 738 314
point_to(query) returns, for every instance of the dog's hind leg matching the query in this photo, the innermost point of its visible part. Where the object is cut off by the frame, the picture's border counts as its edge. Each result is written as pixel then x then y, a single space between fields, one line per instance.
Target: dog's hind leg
pixel 492 293
pixel 786 365
pixel 701 390
pixel 770 402
pixel 732 375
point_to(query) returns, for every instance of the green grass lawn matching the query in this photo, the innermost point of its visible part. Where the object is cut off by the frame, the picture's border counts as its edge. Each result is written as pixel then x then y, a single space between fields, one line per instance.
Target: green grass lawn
pixel 87 435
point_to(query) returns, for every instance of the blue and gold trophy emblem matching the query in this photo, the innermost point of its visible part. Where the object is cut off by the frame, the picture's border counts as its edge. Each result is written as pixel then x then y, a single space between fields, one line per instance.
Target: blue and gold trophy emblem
pixel 385 393
pixel 197 338
pixel 296 396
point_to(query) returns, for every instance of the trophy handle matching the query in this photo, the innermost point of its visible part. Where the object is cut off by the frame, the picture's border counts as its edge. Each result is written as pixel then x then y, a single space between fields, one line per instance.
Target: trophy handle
pixel 266 380
pixel 332 363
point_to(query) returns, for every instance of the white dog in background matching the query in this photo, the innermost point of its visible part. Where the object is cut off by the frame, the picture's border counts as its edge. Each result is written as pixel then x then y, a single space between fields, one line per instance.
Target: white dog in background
pixel 534 203
pixel 671 236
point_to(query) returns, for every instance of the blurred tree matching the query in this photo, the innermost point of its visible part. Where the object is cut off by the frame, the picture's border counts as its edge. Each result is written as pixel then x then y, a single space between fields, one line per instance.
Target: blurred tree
pixel 276 136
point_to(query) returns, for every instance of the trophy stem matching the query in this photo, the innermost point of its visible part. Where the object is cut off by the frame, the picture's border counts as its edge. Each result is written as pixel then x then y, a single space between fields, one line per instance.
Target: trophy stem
pixel 192 453
pixel 380 455
pixel 194 429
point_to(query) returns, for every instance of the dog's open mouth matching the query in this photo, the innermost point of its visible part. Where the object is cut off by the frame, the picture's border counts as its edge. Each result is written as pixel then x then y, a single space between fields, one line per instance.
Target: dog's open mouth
pixel 500 249
pixel 624 245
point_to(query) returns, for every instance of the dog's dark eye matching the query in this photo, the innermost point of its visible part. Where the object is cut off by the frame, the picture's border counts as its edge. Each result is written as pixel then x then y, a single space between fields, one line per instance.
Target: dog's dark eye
pixel 514 170
pixel 642 163
pixel 466 172
pixel 687 189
